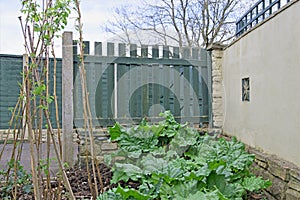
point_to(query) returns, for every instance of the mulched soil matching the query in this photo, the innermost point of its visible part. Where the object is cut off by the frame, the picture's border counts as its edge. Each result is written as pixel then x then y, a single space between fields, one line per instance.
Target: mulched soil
pixel 78 178
pixel 79 181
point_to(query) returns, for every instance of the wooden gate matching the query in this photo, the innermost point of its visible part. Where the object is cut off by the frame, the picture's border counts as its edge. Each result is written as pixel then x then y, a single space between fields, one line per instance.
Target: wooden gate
pixel 131 82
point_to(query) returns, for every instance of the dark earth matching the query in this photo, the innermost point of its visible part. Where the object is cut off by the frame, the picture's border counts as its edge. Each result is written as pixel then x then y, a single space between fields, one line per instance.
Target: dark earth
pixel 78 178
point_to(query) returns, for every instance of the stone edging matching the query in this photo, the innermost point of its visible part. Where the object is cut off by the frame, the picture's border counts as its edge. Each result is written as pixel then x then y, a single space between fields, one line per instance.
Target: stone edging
pixel 285 176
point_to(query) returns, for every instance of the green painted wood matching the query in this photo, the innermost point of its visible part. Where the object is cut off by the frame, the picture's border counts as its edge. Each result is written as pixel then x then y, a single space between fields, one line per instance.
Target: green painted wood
pixel 144 51
pixel 150 80
pixel 161 81
pixel 122 50
pixel 75 43
pixel 133 50
pixel 86 47
pixel 155 90
pixel 98 48
pixel 195 53
pixel 186 91
pixel 166 52
pixel 203 56
pixel 155 51
pixel 180 85
pixel 58 90
pixel 133 82
pixel 205 90
pixel 143 61
pixel 176 52
pixel 145 85
pixel 196 86
pixel 186 54
pixel 110 49
pixel 139 91
pixel 176 90
pixel 91 80
pixel 166 90
pixel 98 93
pixel 145 91
pixel 110 89
pixel 123 90
pixel 77 94
pixel 10 68
pixel 10 75
pixel 209 86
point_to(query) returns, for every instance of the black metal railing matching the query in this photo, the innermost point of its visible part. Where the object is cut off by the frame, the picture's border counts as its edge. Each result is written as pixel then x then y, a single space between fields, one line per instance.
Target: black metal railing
pixel 257 13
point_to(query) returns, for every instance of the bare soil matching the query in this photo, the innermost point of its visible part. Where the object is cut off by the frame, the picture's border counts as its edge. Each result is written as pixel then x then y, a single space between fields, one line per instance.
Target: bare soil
pixel 78 178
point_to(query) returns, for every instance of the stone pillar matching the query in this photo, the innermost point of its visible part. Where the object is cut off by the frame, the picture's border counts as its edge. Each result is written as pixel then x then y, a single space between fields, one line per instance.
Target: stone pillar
pixel 217 85
pixel 67 99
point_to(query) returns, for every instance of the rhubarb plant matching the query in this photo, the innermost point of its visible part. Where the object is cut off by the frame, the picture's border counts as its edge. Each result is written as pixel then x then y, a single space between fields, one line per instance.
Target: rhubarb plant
pixel 173 161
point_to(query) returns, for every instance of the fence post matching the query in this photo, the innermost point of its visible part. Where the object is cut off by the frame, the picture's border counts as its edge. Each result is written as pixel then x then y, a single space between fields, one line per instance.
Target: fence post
pixel 67 98
pixel 217 85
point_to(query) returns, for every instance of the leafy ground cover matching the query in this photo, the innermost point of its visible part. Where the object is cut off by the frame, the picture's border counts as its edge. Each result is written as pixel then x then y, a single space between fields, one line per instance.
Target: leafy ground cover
pixel 173 161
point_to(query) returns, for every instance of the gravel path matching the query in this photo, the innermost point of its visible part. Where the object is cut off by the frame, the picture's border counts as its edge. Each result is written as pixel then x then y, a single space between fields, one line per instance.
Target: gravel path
pixel 25 158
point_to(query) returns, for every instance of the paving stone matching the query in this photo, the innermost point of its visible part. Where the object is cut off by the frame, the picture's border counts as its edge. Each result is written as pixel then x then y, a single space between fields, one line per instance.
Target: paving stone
pixel 278 168
pixel 262 164
pixel 109 146
pixel 292 195
pixel 269 196
pixel 294 184
pixel 102 138
pixel 295 173
pixel 258 154
pixel 278 187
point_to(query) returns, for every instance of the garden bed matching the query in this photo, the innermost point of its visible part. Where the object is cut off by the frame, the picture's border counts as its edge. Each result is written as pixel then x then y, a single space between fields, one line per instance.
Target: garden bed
pixel 79 183
pixel 168 161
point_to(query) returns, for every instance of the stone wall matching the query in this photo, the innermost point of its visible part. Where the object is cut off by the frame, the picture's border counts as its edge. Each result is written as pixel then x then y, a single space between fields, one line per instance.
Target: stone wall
pixel 217 86
pixel 285 176
pixel 102 145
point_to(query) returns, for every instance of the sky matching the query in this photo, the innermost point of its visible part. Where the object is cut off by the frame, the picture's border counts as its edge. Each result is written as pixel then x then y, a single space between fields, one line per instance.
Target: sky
pixel 94 14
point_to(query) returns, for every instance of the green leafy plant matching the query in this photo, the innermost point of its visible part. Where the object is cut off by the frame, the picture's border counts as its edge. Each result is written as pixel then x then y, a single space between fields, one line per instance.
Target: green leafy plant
pixel 172 161
pixel 18 179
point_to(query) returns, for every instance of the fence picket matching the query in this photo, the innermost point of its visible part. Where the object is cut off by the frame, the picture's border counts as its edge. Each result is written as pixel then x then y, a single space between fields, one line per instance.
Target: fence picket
pixel 98 48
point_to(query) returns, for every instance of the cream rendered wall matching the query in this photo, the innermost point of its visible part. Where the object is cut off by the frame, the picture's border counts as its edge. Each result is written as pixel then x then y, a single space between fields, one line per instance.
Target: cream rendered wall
pixel 270 56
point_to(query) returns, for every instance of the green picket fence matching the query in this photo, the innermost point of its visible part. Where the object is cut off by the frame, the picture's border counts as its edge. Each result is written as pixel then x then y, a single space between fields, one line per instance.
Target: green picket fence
pixel 10 80
pixel 10 69
pixel 125 84
pixel 132 82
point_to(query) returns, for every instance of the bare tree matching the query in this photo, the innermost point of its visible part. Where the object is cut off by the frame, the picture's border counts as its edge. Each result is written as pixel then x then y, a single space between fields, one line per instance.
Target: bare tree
pixel 191 23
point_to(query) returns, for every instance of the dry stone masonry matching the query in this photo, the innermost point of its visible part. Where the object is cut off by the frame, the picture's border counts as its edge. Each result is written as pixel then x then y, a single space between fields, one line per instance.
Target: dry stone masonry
pixel 285 176
pixel 217 87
